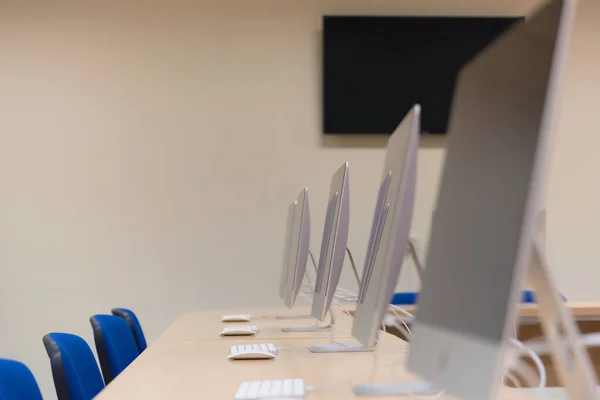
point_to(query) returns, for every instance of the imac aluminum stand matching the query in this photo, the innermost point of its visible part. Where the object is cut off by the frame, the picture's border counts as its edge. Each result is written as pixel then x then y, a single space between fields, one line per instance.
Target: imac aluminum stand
pixel 343 348
pixel 293 316
pixel 340 348
pixel 394 389
pixel 569 353
pixel 412 250
pixel 315 328
pixel 300 316
pixel 351 258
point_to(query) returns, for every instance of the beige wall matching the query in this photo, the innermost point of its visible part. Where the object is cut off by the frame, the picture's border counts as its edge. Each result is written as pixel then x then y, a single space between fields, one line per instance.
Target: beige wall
pixel 147 154
pixel 573 192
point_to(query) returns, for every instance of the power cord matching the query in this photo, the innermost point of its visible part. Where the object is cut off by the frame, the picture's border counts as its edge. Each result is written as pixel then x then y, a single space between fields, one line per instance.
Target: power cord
pixel 541 347
pixel 524 370
pixel 404 329
pixel 379 342
pixel 402 310
pixel 510 377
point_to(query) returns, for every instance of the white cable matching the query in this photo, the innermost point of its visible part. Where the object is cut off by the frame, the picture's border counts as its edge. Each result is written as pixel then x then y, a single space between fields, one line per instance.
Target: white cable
pixel 523 349
pixel 332 340
pixel 348 293
pixel 307 297
pixel 350 299
pixel 402 310
pixel 528 374
pixel 345 290
pixel 509 376
pixel 347 313
pixel 379 342
pixel 541 347
pixel 407 333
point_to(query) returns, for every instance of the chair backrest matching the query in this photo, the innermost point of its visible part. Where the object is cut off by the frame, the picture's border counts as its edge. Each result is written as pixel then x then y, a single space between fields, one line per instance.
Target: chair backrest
pixel 134 325
pixel 405 298
pixel 115 345
pixel 74 368
pixel 528 297
pixel 411 298
pixel 17 382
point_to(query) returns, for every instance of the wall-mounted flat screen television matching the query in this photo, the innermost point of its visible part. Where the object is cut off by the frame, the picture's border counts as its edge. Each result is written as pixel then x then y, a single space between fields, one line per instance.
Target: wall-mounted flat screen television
pixel 376 68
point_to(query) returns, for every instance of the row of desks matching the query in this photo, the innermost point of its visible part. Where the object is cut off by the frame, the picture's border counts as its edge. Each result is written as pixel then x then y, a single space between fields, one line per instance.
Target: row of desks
pixel 189 360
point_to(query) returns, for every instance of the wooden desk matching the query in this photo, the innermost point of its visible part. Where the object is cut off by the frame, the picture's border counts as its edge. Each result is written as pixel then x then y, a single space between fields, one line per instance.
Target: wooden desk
pixel 587 316
pixel 206 325
pixel 581 311
pixel 173 368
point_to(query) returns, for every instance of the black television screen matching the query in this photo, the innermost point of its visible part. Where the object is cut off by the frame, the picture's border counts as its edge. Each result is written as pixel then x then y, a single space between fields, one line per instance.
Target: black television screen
pixel 376 68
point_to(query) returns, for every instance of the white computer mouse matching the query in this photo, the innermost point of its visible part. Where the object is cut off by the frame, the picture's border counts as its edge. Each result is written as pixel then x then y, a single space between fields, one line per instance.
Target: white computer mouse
pixel 239 331
pixel 236 318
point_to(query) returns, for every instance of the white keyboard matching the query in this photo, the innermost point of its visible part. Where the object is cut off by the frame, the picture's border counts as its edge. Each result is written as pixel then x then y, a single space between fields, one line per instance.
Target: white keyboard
pixel 286 389
pixel 245 330
pixel 263 351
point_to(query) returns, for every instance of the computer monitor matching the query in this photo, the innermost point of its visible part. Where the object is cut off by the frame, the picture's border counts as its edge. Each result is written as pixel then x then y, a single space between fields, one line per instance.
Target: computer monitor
pixel 286 249
pixel 390 229
pixel 333 244
pixel 298 250
pixel 483 230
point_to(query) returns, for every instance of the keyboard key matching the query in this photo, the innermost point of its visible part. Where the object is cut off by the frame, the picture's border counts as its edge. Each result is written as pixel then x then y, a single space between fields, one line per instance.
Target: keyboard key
pixel 242 391
pixel 253 390
pixel 276 388
pixel 265 389
pixel 298 388
pixel 286 389
pixel 271 390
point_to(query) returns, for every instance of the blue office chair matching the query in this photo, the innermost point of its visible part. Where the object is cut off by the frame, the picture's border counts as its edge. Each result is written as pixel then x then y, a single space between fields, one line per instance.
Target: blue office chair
pixel 528 297
pixel 405 298
pixel 74 369
pixel 411 298
pixel 115 345
pixel 17 382
pixel 134 325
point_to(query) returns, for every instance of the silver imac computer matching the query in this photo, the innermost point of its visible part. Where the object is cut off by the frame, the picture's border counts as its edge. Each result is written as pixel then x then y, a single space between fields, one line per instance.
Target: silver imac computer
pixel 482 243
pixel 286 249
pixel 333 247
pixel 389 235
pixel 333 243
pixel 298 248
pixel 295 255
pixel 390 230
